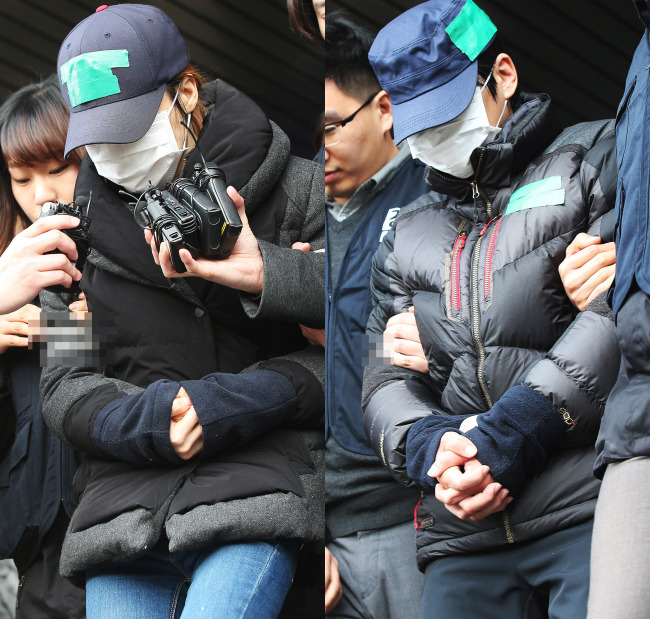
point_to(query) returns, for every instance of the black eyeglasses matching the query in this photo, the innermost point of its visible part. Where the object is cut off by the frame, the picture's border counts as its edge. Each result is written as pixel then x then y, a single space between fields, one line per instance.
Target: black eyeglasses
pixel 332 131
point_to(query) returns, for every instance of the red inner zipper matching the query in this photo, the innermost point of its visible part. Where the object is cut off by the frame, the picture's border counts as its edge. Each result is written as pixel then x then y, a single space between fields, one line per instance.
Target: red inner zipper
pixel 488 259
pixel 455 269
pixel 415 515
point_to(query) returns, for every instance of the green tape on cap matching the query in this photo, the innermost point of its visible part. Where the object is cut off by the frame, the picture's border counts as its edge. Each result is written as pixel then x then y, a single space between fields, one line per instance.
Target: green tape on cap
pixel 90 76
pixel 547 192
pixel 471 31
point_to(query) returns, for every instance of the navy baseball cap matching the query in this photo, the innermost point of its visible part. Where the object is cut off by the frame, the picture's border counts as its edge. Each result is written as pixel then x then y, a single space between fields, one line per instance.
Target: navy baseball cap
pixel 425 60
pixel 113 68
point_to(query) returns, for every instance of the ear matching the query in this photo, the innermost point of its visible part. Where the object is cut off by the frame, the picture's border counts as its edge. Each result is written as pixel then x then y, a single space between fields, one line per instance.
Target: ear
pixel 188 94
pixel 505 75
pixel 386 110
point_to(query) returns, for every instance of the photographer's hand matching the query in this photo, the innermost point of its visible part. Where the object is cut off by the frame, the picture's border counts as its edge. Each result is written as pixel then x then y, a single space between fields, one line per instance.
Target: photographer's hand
pixel 185 432
pixel 242 270
pixel 14 327
pixel 26 267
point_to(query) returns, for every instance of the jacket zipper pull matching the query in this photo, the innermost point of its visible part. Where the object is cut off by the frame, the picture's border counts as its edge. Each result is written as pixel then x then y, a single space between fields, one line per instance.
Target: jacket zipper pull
pixel 475 195
pixel 487 225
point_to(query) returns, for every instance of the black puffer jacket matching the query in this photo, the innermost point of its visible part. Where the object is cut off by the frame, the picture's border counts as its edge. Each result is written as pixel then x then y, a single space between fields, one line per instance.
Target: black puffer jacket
pixel 481 270
pixel 252 481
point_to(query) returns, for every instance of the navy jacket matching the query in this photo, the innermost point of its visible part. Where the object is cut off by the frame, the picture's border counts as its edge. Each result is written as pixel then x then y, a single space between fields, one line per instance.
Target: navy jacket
pixel 36 469
pixel 349 305
pixel 625 429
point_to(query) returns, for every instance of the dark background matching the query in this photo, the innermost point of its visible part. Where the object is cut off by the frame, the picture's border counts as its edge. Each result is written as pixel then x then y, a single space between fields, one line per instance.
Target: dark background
pixel 578 51
pixel 248 43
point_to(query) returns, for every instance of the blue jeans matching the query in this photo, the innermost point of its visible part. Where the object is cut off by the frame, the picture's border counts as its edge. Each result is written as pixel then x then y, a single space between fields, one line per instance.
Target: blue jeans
pixel 247 579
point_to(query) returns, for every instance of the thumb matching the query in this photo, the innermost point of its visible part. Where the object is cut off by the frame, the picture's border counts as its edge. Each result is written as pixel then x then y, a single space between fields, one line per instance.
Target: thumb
pixel 240 205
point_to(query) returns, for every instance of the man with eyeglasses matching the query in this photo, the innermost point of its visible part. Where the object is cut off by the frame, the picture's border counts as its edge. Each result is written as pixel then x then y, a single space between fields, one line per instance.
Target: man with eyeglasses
pixel 367 179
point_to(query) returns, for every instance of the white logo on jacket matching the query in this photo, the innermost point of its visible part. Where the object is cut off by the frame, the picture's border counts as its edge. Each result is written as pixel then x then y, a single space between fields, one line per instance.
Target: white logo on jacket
pixel 391 216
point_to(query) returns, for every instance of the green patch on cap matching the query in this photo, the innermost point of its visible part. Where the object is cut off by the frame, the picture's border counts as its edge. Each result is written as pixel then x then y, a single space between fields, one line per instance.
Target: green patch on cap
pixel 471 31
pixel 547 192
pixel 90 76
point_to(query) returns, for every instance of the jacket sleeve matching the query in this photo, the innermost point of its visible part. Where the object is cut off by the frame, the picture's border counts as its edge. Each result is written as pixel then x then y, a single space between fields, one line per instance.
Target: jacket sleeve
pixel 72 397
pixel 294 286
pixel 110 418
pixel 232 409
pixel 578 373
pixel 393 398
pixel 625 430
pixel 294 280
pixel 599 175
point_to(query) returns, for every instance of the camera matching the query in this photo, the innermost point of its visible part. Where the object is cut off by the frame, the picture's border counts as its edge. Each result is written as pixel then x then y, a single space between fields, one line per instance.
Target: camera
pixel 80 235
pixel 195 214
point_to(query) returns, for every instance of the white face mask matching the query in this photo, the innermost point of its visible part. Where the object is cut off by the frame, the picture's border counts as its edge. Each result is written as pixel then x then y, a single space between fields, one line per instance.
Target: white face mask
pixel 448 147
pixel 154 157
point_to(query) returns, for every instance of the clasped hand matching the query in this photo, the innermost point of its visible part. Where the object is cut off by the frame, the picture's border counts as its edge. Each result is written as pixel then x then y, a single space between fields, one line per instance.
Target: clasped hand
pixel 185 431
pixel 465 485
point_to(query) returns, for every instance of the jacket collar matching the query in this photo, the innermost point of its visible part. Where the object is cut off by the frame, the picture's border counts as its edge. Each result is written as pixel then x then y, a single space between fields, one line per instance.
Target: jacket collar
pixel 524 136
pixel 237 135
pixel 251 150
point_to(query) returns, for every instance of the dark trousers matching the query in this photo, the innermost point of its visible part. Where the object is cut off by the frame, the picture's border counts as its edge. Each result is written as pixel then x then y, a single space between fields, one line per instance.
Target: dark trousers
pixel 513 582
pixel 42 592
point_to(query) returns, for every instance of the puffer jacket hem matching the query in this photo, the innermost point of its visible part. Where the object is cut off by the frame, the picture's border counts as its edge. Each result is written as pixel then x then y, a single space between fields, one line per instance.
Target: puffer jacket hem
pixel 494 539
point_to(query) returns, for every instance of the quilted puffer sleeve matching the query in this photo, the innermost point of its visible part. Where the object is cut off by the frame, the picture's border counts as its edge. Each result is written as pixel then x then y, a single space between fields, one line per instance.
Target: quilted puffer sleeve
pixel 578 373
pixel 393 398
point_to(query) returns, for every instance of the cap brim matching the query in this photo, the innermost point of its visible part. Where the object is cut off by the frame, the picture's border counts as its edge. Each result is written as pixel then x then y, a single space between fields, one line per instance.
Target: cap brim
pixel 119 122
pixel 436 107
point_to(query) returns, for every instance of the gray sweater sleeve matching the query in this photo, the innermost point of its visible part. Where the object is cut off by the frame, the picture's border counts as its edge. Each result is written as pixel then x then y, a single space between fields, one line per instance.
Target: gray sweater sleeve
pixel 294 287
pixel 294 281
pixel 62 387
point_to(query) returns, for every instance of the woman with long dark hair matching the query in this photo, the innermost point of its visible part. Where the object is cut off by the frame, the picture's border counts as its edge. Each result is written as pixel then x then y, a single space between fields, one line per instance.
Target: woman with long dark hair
pixel 308 18
pixel 36 469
